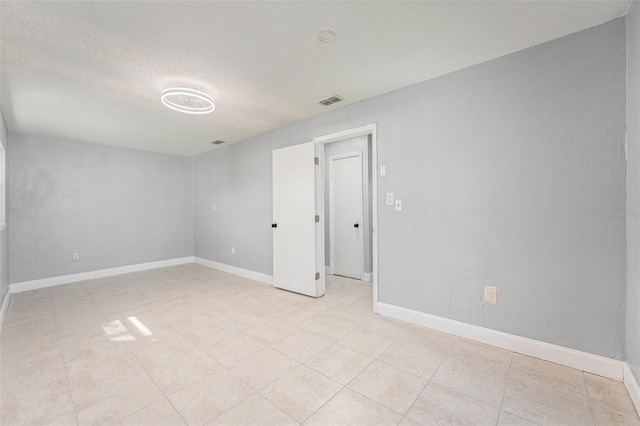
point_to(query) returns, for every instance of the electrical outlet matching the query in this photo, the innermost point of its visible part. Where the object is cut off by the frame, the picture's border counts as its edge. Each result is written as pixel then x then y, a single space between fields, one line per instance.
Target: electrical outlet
pixel 233 250
pixel 383 170
pixel 491 294
pixel 75 256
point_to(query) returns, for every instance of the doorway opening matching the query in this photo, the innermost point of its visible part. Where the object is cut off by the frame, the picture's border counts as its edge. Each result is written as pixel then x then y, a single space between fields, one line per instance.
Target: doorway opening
pixel 347 197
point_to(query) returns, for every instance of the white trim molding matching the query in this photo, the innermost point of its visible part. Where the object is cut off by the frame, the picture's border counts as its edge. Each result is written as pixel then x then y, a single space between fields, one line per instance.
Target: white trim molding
pixel 584 361
pixel 102 273
pixel 632 385
pixel 367 277
pixel 4 309
pixel 245 273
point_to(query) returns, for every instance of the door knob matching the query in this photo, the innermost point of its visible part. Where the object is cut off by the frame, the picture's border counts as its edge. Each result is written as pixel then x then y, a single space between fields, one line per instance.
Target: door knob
pixel 355 225
pixel 274 225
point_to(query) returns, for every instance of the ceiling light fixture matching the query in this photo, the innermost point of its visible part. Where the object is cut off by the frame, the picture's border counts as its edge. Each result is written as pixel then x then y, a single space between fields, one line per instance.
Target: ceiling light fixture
pixel 326 36
pixel 187 100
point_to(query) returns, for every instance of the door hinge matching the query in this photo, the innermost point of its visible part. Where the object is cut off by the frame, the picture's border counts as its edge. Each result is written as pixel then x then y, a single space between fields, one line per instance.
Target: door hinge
pixel 317 276
pixel 317 218
pixel 316 161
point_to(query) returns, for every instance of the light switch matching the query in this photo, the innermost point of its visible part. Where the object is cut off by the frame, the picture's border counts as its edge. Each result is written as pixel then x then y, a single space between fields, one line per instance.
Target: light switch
pixel 383 170
pixel 398 205
pixel 389 199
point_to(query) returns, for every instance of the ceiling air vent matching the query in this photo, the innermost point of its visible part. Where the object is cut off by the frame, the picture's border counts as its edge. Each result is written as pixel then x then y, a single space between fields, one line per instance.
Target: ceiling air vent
pixel 331 100
pixel 218 142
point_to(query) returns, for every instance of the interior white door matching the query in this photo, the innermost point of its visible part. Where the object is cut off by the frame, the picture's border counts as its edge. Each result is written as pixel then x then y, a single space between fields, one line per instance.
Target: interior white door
pixel 295 231
pixel 345 198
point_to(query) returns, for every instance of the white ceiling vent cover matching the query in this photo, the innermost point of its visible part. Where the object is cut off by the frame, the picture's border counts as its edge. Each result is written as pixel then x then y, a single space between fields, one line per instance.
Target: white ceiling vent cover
pixel 331 100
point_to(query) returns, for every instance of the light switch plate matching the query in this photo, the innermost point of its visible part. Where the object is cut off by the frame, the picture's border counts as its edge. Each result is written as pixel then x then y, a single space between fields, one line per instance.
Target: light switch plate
pixel 389 199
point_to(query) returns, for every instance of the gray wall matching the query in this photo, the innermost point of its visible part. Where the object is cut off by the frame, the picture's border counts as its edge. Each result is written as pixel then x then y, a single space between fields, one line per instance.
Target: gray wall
pixel 114 206
pixel 508 172
pixel 633 188
pixel 4 234
pixel 361 144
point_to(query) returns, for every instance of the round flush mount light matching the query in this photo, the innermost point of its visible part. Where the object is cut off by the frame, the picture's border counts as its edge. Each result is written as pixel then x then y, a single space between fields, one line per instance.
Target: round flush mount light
pixel 187 100
pixel 326 36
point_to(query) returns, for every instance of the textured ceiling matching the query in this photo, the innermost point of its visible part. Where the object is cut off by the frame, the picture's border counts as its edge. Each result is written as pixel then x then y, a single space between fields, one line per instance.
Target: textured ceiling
pixel 93 71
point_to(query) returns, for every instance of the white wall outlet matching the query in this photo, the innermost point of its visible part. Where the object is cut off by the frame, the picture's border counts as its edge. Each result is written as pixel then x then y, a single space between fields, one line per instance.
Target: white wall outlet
pixel 383 170
pixel 233 250
pixel 491 294
pixel 75 256
pixel 398 205
pixel 389 199
pixel 215 207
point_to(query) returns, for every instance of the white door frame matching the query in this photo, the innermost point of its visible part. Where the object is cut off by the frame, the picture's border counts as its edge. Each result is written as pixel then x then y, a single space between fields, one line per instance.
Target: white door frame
pixel 333 158
pixel 370 129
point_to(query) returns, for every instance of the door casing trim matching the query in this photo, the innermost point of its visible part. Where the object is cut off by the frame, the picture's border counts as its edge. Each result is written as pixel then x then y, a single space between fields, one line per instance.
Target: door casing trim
pixel 370 129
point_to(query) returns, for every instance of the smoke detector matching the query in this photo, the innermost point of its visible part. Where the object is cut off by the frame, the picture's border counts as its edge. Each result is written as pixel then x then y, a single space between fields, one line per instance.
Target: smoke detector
pixel 326 36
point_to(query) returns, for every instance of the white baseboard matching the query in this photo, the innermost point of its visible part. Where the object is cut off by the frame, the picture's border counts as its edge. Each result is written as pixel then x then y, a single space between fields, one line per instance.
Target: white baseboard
pixel 102 273
pixel 366 276
pixel 246 273
pixel 83 276
pixel 584 361
pixel 4 309
pixel 632 386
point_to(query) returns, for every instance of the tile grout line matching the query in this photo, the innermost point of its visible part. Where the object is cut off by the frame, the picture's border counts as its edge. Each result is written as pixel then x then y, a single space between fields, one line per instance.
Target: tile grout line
pixel 327 401
pixel 504 390
pixel 64 363
pixel 126 346
pixel 584 380
pixel 166 397
pixel 224 368
pixel 154 382
pixel 425 387
pixel 334 395
pixel 142 366
pixel 346 386
pixel 374 359
pixel 231 407
pixel 255 392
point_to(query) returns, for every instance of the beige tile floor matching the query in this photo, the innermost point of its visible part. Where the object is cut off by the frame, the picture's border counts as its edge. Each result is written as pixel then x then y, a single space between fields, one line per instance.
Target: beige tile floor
pixel 192 345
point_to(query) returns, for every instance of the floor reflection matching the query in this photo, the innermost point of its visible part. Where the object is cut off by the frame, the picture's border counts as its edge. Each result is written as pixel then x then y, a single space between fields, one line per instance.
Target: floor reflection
pixel 117 332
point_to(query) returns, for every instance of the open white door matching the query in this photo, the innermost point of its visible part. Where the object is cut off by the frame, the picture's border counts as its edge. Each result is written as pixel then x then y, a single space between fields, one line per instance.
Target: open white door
pixel 295 230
